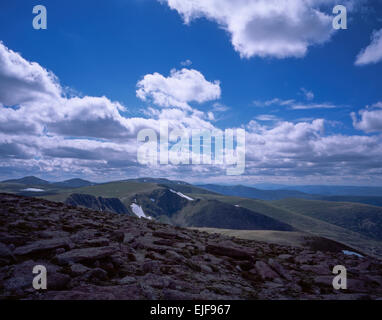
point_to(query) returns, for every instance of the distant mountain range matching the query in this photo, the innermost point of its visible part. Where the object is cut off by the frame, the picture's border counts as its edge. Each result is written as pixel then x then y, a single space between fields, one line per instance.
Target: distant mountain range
pixel 37 182
pixel 280 194
pixel 327 190
pixel 28 181
pixel 253 193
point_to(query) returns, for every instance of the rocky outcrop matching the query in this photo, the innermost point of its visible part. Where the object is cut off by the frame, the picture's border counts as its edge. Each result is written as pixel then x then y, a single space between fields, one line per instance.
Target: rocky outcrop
pixel 97 203
pixel 101 255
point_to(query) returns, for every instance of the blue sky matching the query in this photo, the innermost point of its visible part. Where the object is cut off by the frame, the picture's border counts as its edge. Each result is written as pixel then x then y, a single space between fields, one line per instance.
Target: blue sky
pixel 99 48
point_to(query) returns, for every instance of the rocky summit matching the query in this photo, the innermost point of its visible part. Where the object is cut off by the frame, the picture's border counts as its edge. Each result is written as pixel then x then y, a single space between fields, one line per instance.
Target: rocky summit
pixel 100 255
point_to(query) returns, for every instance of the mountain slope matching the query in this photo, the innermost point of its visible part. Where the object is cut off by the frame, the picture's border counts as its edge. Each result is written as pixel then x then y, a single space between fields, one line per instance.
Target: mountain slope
pixel 73 183
pixel 305 223
pixel 361 218
pixel 30 181
pixel 253 193
pixel 285 238
pixel 339 190
pixel 216 214
pixel 92 255
pixel 373 201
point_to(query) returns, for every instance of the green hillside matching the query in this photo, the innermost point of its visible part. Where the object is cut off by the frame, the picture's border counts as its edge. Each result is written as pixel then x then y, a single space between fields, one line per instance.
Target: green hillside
pixel 306 223
pixel 361 218
pixel 120 189
pixel 217 214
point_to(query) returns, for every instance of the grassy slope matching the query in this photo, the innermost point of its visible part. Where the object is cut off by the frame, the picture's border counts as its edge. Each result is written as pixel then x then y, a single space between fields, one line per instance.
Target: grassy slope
pixel 361 218
pixel 306 224
pixel 217 214
pixel 122 190
pixel 287 238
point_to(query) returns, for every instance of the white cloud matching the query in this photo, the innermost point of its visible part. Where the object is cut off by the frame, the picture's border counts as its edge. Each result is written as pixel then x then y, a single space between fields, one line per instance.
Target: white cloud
pixel 186 63
pixel 373 52
pixel 371 118
pixel 179 89
pixel 275 101
pixel 293 104
pixel 264 28
pixel 219 107
pixel 297 150
pixel 23 81
pixel 309 95
pixel 301 106
pixel 267 117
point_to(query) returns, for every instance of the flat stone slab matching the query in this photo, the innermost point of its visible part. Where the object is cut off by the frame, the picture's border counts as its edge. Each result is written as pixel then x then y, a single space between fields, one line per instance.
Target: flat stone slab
pixel 78 255
pixel 42 245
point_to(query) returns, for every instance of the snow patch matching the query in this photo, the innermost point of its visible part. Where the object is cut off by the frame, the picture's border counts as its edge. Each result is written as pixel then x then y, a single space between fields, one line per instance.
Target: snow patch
pixel 138 211
pixel 351 253
pixel 181 195
pixel 33 190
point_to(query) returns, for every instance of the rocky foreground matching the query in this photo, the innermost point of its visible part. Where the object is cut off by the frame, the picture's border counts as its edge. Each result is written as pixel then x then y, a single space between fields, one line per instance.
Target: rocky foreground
pixel 99 255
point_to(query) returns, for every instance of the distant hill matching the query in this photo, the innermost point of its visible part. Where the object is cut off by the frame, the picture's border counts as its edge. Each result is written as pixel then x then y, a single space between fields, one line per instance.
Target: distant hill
pixel 253 193
pixel 339 190
pixel 30 181
pixel 374 201
pixel 180 186
pixel 159 181
pixel 73 183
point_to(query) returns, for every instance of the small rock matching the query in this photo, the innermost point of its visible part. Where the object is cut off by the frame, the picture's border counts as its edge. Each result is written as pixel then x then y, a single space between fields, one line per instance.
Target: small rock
pixel 265 271
pixel 127 280
pixel 228 252
pixel 205 268
pixel 79 269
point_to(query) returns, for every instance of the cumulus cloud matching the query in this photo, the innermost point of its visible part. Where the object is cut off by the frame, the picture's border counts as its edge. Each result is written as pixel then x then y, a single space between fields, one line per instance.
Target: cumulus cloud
pixel 304 149
pixel 44 132
pixel 264 28
pixel 370 119
pixel 373 52
pixel 23 81
pixel 40 125
pixel 178 89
